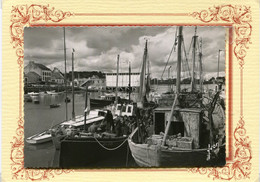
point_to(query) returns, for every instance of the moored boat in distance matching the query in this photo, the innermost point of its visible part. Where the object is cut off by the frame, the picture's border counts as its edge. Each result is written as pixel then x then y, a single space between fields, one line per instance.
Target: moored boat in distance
pixel 103 100
pixel 55 105
pixel 35 97
pixel 67 100
pixel 27 98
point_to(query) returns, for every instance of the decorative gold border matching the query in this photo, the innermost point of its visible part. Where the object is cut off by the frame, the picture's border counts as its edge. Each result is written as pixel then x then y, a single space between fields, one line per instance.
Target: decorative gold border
pixel 238 16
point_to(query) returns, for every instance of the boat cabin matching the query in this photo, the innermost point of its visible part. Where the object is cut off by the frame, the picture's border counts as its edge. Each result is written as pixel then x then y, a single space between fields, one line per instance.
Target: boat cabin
pixel 124 110
pixel 186 123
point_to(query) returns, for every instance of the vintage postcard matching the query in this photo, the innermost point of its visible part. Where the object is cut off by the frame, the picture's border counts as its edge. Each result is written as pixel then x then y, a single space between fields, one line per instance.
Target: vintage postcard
pixel 118 74
pixel 126 90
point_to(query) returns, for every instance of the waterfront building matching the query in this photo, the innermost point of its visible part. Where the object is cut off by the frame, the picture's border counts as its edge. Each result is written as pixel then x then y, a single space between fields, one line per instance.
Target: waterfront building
pixel 31 78
pixel 43 71
pixel 79 81
pixel 123 80
pixel 95 82
pixel 57 76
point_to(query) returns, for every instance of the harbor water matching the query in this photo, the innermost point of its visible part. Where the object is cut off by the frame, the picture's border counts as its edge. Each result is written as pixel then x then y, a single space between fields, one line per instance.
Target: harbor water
pixel 40 117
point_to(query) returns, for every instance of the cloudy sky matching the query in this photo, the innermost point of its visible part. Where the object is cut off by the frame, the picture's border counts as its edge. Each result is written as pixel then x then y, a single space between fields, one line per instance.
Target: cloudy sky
pixel 97 47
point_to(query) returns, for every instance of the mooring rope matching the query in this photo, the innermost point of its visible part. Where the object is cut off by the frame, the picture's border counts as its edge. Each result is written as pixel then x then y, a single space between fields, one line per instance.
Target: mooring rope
pixel 110 148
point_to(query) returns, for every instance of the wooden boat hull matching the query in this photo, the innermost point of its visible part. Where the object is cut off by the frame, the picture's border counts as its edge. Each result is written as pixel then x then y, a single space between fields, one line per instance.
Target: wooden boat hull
pixel 157 156
pixel 88 152
pixel 143 155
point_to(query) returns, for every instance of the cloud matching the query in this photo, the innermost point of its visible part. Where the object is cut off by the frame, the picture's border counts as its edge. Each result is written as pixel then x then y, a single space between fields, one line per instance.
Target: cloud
pixel 97 47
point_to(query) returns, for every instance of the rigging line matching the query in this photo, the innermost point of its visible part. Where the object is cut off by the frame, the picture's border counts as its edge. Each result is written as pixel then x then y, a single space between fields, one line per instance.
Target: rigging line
pixel 168 60
pixel 186 57
pixel 110 149
pixel 141 64
pixel 190 46
pixel 175 41
pixel 173 48
pixel 186 68
pixel 198 45
pixel 183 68
pixel 149 65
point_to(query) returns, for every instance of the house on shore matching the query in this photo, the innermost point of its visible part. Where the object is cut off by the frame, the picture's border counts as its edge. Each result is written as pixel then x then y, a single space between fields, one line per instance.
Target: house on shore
pixel 57 76
pixel 32 78
pixel 37 70
pixel 94 83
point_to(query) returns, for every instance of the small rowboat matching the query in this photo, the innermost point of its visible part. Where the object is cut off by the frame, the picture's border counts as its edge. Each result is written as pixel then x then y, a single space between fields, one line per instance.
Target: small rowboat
pixel 67 100
pixel 54 105
pixel 39 138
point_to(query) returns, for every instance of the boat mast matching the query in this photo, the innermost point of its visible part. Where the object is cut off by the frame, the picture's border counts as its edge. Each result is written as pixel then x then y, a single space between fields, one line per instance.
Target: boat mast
pixel 142 75
pixel 218 64
pixel 169 69
pixel 65 75
pixel 129 85
pixel 218 60
pixel 117 70
pixel 86 105
pixel 178 79
pixel 73 103
pixel 200 62
pixel 193 61
pixel 177 86
pixel 148 72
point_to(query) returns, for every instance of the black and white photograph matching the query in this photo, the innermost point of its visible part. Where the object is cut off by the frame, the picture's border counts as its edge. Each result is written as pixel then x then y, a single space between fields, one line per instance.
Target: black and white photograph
pixel 124 97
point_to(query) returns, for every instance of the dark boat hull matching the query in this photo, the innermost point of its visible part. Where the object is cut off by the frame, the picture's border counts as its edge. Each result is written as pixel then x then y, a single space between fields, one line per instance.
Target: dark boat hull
pixel 90 152
pixel 54 105
pixel 100 102
pixel 191 158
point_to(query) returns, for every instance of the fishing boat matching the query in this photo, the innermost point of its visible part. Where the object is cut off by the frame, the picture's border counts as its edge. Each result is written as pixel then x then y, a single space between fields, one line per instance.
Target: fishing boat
pixel 99 144
pixel 106 99
pixel 96 115
pixel 188 130
pixel 35 97
pixel 103 100
pixel 51 92
pixel 27 98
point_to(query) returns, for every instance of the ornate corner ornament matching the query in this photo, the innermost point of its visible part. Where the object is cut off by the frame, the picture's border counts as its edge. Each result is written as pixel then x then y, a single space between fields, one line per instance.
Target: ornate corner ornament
pixel 240 18
pixel 23 16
